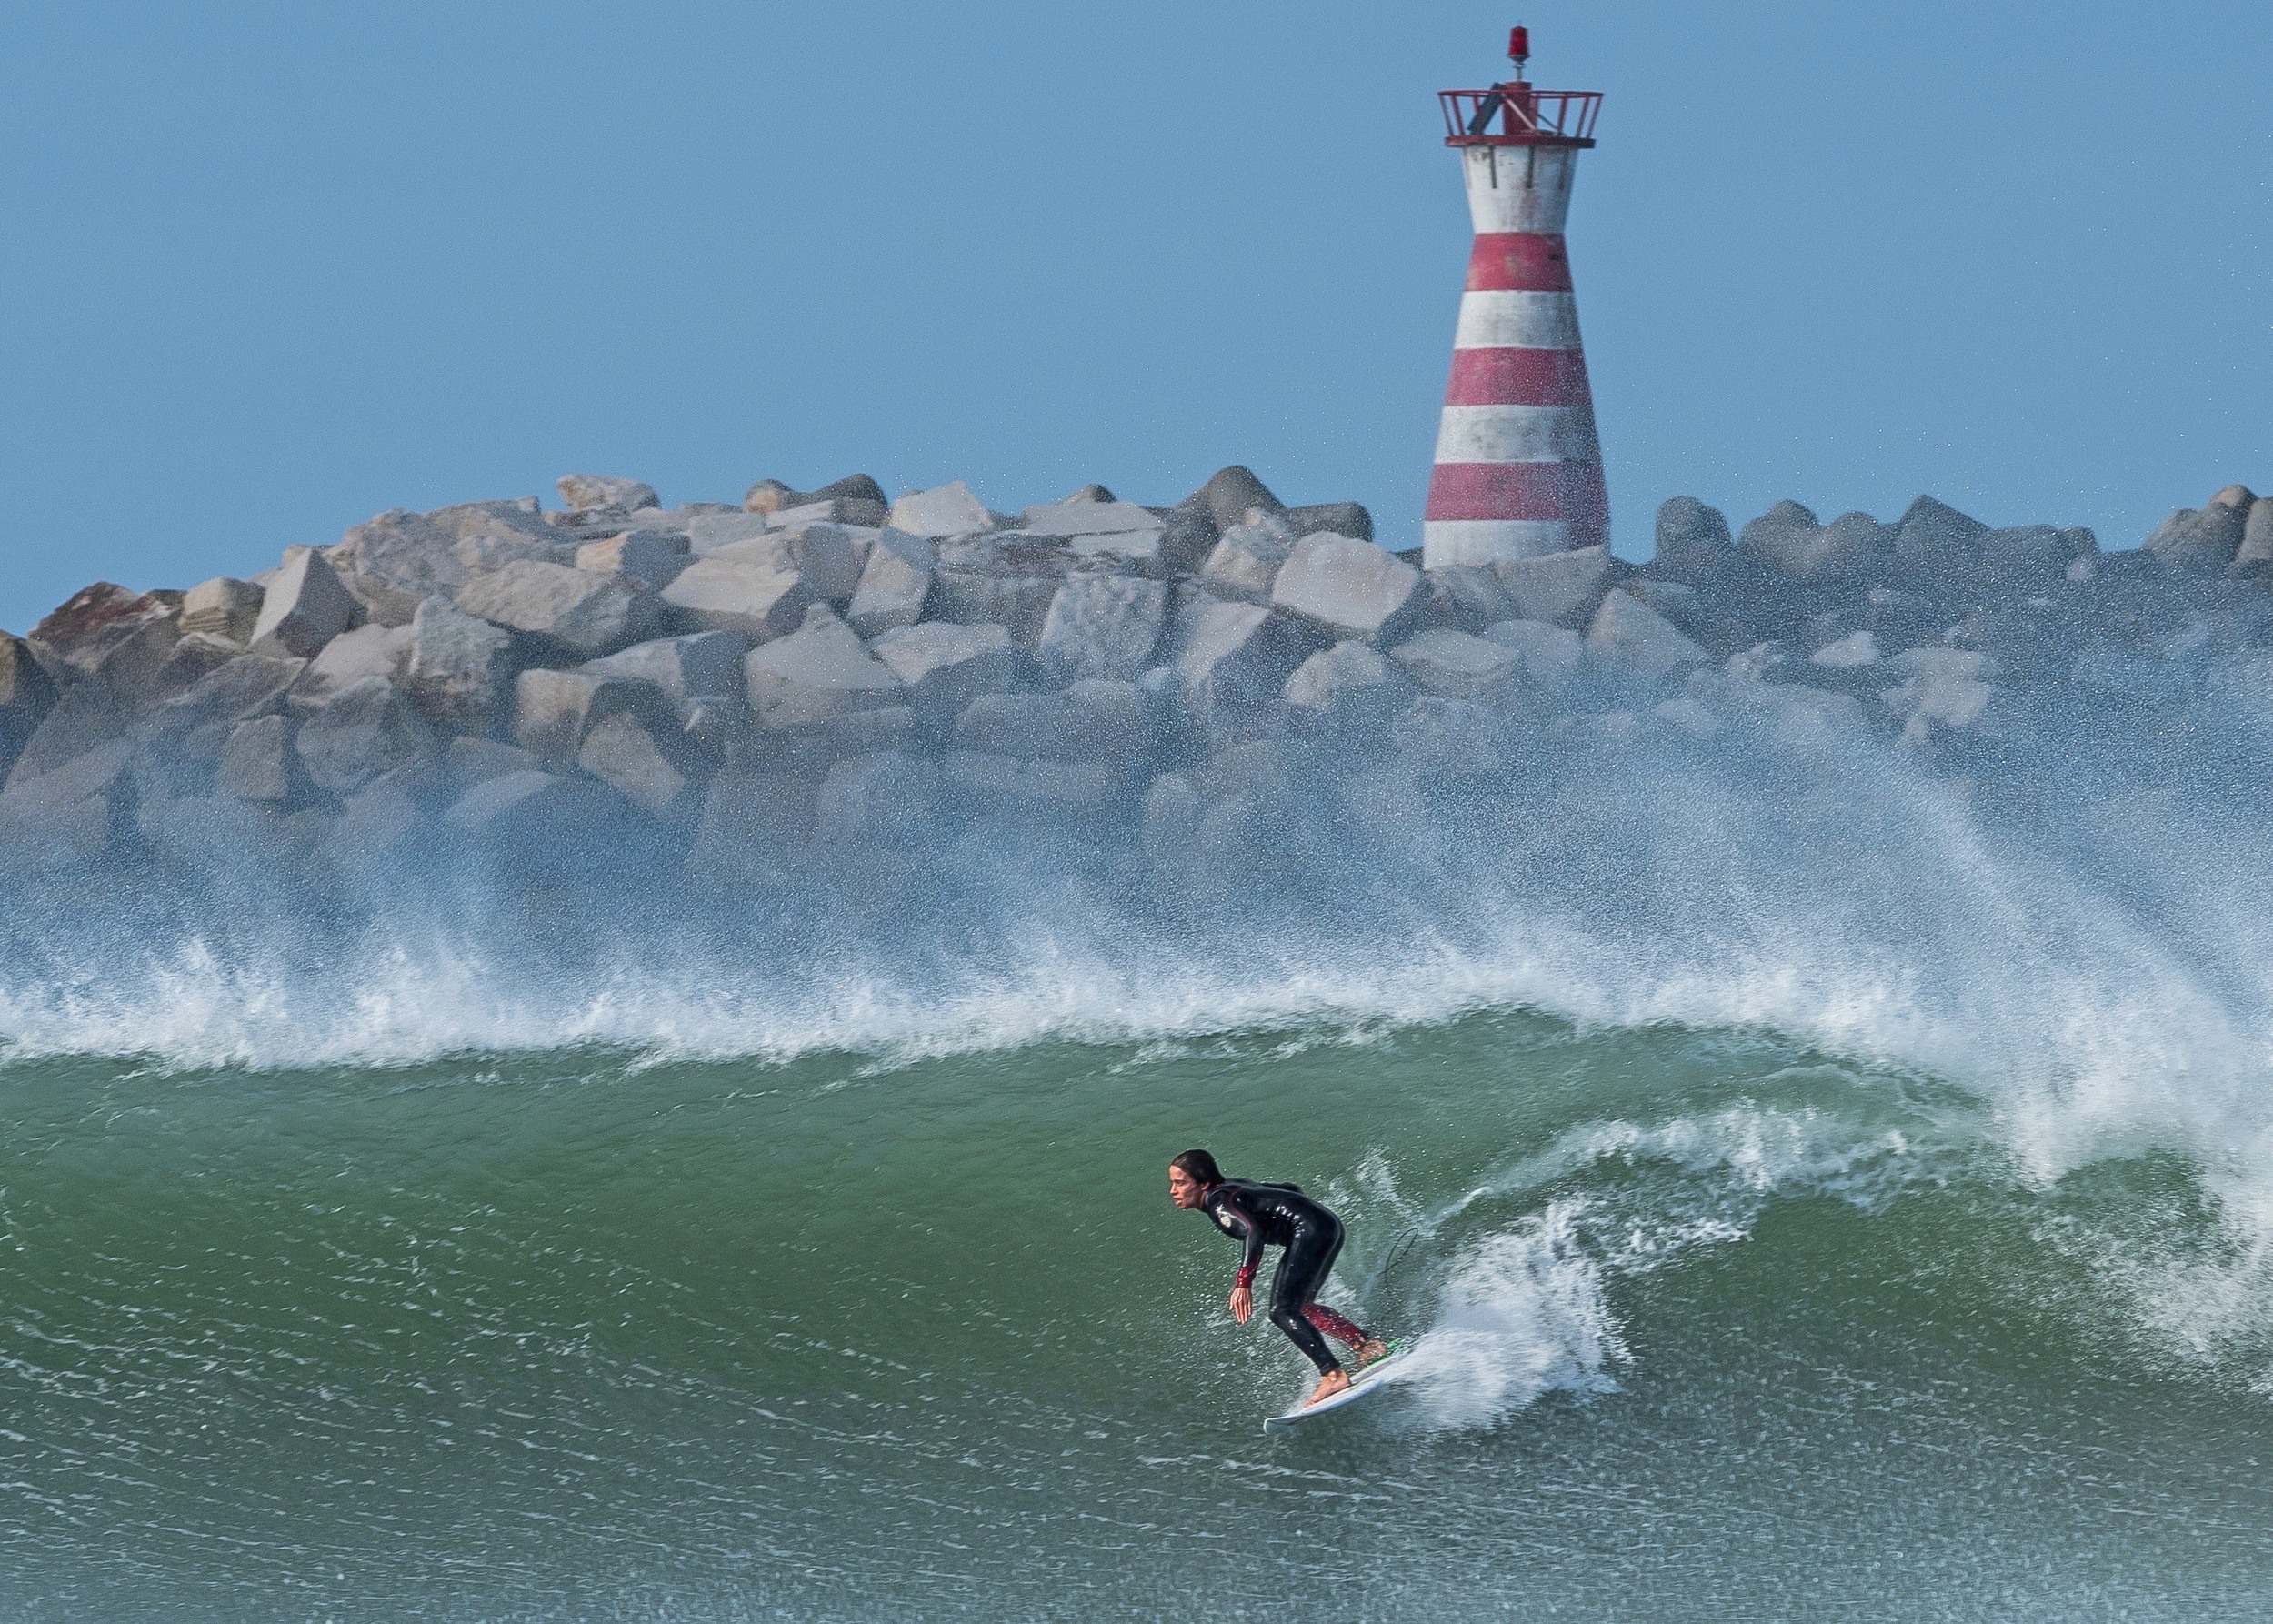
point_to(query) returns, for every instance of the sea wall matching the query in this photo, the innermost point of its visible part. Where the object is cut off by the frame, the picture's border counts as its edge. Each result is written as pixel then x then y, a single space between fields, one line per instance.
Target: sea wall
pixel 727 696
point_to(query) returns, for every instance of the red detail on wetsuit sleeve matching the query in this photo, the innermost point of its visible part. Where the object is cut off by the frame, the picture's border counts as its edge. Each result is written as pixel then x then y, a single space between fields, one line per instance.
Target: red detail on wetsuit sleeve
pixel 1245 1277
pixel 1325 1319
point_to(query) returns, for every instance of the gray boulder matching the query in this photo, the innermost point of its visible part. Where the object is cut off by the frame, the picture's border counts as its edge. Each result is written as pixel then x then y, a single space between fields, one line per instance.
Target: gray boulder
pixel 1787 539
pixel 1093 719
pixel 881 798
pixel 1934 538
pixel 393 563
pixel 456 668
pixel 687 671
pixel 222 607
pixel 1693 541
pixel 373 650
pixel 894 584
pixel 1344 518
pixel 1345 587
pixel 706 533
pixel 1102 626
pixel 817 673
pixel 26 694
pixel 1077 516
pixel 1459 666
pixel 252 685
pixel 1246 561
pixel 944 666
pixel 945 510
pixel 1349 682
pixel 854 499
pixel 552 710
pixel 2202 539
pixel 69 816
pixel 258 763
pixel 306 606
pixel 647 560
pixel 1559 588
pixel 1550 655
pixel 1224 658
pixel 543 815
pixel 600 490
pixel 652 773
pixel 1471 597
pixel 755 596
pixel 195 657
pixel 359 733
pixel 467 761
pixel 109 636
pixel 2256 534
pixel 1232 497
pixel 1629 636
pixel 571 609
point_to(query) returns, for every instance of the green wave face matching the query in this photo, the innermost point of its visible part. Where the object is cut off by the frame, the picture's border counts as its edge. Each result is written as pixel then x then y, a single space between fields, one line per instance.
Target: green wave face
pixel 1707 1325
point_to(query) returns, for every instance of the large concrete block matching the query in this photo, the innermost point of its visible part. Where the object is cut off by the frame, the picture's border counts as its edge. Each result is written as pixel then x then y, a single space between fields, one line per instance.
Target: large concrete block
pixel 652 773
pixel 195 657
pixel 1225 657
pixel 457 667
pixel 394 562
pixel 1693 541
pixel 306 606
pixel 1458 665
pixel 552 710
pixel 1350 681
pixel 756 600
pixel 601 490
pixel 69 816
pixel 1019 602
pixel 372 650
pixel 945 666
pixel 945 510
pixel 26 694
pixel 2200 539
pixel 222 607
pixel 572 609
pixel 258 763
pixel 648 560
pixel 358 734
pixel 1246 562
pixel 1102 626
pixel 2256 532
pixel 1551 655
pixel 1094 719
pixel 1559 588
pixel 1345 587
pixel 107 635
pixel 1630 636
pixel 1935 538
pixel 687 671
pixel 1071 518
pixel 817 674
pixel 894 584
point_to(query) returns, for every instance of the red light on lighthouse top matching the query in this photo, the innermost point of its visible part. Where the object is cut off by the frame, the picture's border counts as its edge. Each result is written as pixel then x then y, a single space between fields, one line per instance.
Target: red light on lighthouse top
pixel 1515 114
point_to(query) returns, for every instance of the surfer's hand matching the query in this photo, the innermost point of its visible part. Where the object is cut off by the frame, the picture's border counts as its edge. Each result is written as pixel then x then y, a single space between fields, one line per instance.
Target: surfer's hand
pixel 1242 1304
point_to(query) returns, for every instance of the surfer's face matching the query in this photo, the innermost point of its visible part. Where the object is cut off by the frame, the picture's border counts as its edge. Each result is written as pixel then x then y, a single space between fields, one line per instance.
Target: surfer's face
pixel 1183 1188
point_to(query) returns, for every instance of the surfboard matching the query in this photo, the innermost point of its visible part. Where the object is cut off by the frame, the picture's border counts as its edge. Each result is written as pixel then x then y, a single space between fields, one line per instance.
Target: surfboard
pixel 1360 1386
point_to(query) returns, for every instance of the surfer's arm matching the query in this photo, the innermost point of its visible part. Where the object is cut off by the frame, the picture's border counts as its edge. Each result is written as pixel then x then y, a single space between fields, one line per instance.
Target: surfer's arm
pixel 1250 1240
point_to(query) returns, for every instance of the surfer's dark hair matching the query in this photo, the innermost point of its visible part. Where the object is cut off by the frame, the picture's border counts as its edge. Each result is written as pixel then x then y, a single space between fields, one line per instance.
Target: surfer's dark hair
pixel 1200 1166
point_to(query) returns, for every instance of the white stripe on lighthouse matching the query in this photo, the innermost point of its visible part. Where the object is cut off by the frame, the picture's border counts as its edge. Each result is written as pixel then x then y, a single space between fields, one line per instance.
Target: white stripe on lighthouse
pixel 1516 434
pixel 1517 321
pixel 1451 543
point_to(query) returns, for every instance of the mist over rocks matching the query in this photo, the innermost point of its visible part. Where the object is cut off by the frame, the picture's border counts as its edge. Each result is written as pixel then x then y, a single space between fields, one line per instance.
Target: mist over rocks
pixel 742 695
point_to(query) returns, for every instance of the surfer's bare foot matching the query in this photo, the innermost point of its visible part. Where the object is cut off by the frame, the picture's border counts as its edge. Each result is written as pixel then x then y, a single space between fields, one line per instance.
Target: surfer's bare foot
pixel 1332 1383
pixel 1372 1350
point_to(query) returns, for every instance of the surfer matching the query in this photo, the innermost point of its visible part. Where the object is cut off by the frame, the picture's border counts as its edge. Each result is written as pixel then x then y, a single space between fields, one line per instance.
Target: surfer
pixel 1279 1214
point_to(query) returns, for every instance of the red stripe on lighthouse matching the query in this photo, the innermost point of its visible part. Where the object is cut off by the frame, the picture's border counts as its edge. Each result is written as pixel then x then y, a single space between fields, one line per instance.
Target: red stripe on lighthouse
pixel 1519 262
pixel 1519 377
pixel 1567 491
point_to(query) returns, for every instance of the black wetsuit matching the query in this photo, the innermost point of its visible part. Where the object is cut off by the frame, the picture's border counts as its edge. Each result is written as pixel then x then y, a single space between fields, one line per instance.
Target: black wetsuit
pixel 1280 1215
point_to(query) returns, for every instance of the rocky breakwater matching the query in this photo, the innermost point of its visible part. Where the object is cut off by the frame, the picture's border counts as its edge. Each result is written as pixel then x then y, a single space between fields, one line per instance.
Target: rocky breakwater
pixel 734 696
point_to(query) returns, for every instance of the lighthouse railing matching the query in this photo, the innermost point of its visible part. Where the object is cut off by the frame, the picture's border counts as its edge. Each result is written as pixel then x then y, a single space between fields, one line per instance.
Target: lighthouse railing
pixel 1519 115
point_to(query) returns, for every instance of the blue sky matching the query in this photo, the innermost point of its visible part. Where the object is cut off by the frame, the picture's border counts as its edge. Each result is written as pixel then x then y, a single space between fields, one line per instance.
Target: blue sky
pixel 270 268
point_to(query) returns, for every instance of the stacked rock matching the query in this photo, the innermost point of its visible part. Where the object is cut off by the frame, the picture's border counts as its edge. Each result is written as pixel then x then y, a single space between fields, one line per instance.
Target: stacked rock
pixel 734 690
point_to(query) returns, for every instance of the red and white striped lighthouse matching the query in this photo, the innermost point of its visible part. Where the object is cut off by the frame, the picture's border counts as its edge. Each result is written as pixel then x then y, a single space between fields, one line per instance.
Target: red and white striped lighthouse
pixel 1518 466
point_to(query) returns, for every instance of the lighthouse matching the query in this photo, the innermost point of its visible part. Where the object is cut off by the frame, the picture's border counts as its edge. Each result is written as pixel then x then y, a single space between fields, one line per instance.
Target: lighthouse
pixel 1519 469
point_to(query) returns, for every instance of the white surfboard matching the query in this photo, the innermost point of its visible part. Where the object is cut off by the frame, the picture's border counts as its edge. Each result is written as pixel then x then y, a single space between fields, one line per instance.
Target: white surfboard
pixel 1361 1385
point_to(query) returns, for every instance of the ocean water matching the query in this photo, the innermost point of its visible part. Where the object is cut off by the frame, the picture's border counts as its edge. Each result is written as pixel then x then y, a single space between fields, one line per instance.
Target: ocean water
pixel 1815 1187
